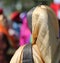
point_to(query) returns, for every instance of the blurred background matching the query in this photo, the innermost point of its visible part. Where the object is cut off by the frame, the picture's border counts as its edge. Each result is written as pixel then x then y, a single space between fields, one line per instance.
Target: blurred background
pixel 14 26
pixel 20 5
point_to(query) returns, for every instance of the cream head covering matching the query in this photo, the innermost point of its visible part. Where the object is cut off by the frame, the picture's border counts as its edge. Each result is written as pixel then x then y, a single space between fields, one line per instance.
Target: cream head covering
pixel 45 30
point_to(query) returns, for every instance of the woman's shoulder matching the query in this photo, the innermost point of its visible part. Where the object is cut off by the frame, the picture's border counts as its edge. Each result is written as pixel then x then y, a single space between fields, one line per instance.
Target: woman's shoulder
pixel 17 55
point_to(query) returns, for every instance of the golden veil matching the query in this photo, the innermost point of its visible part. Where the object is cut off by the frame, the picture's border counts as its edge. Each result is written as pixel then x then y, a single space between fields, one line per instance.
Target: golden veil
pixel 45 30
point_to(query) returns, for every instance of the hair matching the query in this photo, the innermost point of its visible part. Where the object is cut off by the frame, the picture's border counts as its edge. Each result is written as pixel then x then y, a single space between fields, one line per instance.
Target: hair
pixel 41 2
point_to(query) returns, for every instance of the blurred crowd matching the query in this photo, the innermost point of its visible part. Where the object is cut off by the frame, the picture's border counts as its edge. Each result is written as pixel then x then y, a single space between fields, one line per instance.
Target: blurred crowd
pixel 13 33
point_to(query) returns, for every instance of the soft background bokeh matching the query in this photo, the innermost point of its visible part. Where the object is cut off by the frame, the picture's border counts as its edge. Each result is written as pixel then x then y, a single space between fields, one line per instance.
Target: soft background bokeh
pixel 21 5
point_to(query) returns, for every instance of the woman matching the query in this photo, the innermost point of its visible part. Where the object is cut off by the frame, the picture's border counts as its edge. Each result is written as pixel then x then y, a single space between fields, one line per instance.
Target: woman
pixel 45 31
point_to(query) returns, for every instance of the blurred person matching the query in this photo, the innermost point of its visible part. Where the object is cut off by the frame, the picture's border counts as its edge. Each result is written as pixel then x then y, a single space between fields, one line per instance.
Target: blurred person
pixel 4 29
pixel 45 41
pixel 25 33
pixel 4 24
pixel 16 23
pixel 4 45
pixel 56 8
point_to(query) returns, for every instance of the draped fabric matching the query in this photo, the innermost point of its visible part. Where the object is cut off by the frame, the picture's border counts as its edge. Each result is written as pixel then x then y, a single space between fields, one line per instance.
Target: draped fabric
pixel 45 31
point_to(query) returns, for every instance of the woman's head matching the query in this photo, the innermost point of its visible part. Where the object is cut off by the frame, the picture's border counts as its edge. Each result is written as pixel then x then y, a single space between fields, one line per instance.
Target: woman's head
pixel 15 17
pixel 42 2
pixel 3 21
pixel 45 30
pixel 42 16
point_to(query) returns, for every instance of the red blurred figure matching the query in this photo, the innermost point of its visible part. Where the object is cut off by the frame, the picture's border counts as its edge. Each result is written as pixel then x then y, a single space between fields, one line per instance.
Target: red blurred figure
pixel 56 8
pixel 15 15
